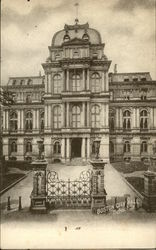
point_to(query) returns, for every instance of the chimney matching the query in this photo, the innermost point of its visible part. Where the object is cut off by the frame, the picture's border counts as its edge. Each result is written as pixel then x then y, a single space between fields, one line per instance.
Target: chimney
pixel 115 68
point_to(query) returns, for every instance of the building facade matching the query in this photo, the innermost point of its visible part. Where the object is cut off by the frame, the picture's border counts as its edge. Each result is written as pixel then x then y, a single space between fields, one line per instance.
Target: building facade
pixel 77 102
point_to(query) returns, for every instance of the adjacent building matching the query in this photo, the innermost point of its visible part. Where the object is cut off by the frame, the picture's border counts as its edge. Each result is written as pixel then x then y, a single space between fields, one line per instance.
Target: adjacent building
pixel 77 102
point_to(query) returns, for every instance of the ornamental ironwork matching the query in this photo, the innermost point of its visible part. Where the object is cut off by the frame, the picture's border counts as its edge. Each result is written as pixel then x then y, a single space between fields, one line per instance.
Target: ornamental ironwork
pixel 69 194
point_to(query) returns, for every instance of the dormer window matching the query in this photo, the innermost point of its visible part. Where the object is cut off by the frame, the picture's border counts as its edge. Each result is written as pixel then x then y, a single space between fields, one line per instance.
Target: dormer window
pixel 29 82
pixel 85 37
pixel 135 79
pixel 143 79
pixel 21 82
pixel 66 37
pixel 126 80
pixel 14 82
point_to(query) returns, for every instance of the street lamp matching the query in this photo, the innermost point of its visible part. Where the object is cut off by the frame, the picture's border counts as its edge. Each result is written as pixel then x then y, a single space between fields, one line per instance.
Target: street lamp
pixel 97 148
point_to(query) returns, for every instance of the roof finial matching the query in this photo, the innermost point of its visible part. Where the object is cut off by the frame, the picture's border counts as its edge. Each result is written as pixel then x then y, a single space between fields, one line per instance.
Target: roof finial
pixel 76 8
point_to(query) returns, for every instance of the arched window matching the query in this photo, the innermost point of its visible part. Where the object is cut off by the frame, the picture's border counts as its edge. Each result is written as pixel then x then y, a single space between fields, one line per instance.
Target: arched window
pixel 127 147
pixel 95 82
pixel 13 121
pixel 75 82
pixel 76 117
pixel 111 147
pixel 57 117
pixel 28 98
pixel 126 120
pixel 28 147
pixel 42 121
pixel 13 147
pixel 143 119
pixel 57 148
pixel 57 83
pixel 95 116
pixel 144 147
pixel 94 147
pixel 29 122
pixel 112 120
pixel 29 82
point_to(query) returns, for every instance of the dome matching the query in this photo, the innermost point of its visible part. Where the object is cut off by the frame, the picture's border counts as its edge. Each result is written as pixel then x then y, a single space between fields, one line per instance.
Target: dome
pixel 76 31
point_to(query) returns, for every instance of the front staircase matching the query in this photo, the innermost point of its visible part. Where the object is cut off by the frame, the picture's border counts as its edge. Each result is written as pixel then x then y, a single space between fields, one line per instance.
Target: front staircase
pixel 77 162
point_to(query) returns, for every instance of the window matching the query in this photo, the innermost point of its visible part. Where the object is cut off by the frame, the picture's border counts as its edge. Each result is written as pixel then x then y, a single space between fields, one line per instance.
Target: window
pixel 154 148
pixel 28 147
pixel 143 119
pixel 126 120
pixel 112 120
pixel 76 116
pixel 143 79
pixel 126 80
pixel 66 38
pixel 94 148
pixel 95 55
pixel 29 122
pixel 144 147
pixel 29 82
pixel 57 84
pixel 85 37
pixel 127 147
pixel 13 121
pixel 57 148
pixel 57 117
pixel 14 82
pixel 135 79
pixel 42 121
pixel 111 147
pixel 57 56
pixel 95 116
pixel 13 147
pixel 75 53
pixel 76 82
pixel 95 82
pixel 22 82
pixel 28 98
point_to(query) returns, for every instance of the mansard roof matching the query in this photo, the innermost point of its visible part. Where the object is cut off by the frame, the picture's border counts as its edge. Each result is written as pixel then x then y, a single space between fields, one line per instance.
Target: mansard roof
pixel 76 31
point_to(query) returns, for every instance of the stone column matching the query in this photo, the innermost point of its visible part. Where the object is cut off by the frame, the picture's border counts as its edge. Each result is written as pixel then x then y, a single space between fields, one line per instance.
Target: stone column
pixel 34 119
pixel 107 115
pixel 46 83
pixel 49 83
pixel 63 114
pixel 19 120
pixel 46 116
pixel 137 119
pixel 83 149
pixel 106 81
pixel 88 148
pixel 37 119
pixel 22 120
pixel 4 120
pixel 49 116
pixel 67 80
pixel 88 114
pixel 68 149
pixel 103 82
pixel 7 120
pixel 83 85
pixel 83 114
pixel 63 149
pixel 67 115
pixel 88 80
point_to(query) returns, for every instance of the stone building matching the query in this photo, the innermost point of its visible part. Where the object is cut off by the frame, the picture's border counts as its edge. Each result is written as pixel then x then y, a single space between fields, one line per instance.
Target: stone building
pixel 77 101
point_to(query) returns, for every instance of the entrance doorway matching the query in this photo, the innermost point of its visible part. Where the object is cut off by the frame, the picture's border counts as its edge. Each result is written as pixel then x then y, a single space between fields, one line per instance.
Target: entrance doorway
pixel 76 147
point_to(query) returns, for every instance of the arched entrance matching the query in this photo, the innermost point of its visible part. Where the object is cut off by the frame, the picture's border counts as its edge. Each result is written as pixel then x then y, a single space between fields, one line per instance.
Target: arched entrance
pixel 76 147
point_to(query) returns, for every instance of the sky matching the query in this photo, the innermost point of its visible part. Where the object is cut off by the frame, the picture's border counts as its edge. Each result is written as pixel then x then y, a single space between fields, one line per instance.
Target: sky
pixel 127 27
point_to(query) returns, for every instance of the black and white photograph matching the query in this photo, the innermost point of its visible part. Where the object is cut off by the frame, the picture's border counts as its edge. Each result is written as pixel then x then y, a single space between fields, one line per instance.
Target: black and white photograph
pixel 78 124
